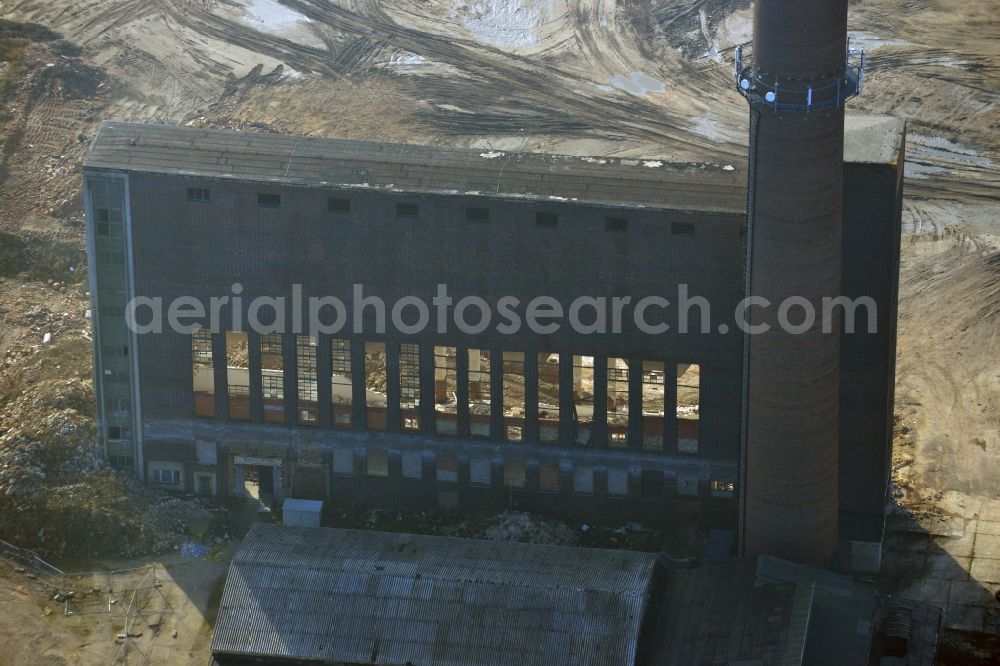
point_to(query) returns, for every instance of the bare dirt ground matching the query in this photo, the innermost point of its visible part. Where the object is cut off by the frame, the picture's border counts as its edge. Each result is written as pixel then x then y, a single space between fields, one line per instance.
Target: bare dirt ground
pixel 593 77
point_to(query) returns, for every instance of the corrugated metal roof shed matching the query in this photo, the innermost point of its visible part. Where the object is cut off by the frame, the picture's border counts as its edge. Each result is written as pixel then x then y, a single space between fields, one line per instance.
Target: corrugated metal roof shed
pixel 285 158
pixel 358 597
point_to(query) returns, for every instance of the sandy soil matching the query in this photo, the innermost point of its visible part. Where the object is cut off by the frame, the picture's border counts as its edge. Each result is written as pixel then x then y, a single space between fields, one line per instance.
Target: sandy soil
pixel 633 77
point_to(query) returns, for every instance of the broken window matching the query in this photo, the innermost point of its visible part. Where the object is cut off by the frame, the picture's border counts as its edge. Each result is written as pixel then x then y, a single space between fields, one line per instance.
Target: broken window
pixel 480 393
pixel 616 224
pixel 548 398
pixel 513 396
pixel 651 484
pixel 409 387
pixel 688 403
pixel 268 200
pixel 583 400
pixel 514 473
pixel 477 214
pixel 617 403
pixel 238 375
pixel 377 463
pixel 653 385
pixel 272 378
pixel 407 210
pixel 341 394
pixel 376 403
pixel 167 476
pixel 339 205
pixel 445 391
pixel 546 219
pixel 722 488
pixel 308 392
pixel 203 373
pixel 199 194
pixel 682 228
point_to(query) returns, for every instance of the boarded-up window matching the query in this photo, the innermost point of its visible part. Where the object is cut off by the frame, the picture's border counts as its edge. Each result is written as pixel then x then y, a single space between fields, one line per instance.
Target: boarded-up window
pixel 343 462
pixel 377 463
pixel 481 472
pixel 413 466
pixel 583 480
pixel 447 468
pixel 514 473
pixel 617 482
pixel 548 477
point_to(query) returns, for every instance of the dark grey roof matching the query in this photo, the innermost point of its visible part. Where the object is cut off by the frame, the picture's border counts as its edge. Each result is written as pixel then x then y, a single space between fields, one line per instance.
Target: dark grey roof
pixel 412 168
pixel 763 610
pixel 381 598
pixel 717 614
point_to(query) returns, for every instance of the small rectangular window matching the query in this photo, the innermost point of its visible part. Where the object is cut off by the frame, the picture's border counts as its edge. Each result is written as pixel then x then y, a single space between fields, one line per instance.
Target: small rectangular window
pixel 102 229
pixel 199 194
pixel 477 214
pixel 546 219
pixel 407 210
pixel 268 200
pixel 682 228
pixel 103 215
pixel 616 224
pixel 339 205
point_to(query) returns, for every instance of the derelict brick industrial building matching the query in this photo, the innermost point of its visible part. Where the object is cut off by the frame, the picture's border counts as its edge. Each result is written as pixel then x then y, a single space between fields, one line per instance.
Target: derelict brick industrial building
pixel 630 425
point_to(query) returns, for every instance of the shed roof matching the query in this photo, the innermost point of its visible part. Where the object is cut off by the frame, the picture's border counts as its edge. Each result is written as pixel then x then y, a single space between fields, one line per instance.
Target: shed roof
pixel 384 598
pixel 285 158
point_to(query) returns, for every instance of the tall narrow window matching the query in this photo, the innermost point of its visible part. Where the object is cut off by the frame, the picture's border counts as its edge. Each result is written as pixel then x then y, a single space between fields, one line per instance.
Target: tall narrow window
pixel 376 403
pixel 305 360
pixel 617 403
pixel 688 407
pixel 480 394
pixel 272 377
pixel 203 373
pixel 548 398
pixel 341 393
pixel 238 375
pixel 409 387
pixel 445 391
pixel 583 400
pixel 513 396
pixel 652 405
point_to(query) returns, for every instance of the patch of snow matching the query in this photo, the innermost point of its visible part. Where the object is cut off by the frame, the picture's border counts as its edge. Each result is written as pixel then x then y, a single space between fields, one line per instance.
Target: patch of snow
pixel 860 40
pixel 921 171
pixel 935 146
pixel 507 22
pixel 492 154
pixel 594 160
pixel 271 16
pixel 638 84
pixel 729 167
pixel 652 164
pixel 289 73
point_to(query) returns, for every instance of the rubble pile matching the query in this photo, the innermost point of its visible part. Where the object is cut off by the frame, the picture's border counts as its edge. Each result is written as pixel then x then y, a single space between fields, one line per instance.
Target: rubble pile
pixel 57 496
